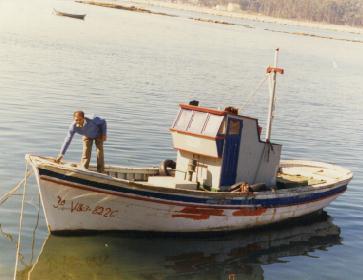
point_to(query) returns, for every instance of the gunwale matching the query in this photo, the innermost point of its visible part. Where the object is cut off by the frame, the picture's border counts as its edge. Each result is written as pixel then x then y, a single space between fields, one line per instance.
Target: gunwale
pixel 95 180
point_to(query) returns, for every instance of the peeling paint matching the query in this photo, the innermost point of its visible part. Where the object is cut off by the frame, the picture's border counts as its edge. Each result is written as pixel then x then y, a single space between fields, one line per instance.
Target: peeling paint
pixel 249 211
pixel 196 213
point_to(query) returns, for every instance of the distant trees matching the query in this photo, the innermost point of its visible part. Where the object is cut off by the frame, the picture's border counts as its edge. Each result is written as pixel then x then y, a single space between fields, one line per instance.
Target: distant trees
pixel 349 12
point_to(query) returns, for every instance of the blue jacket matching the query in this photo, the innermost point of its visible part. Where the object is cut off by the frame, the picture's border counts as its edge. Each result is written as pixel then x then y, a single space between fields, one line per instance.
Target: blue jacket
pixel 92 128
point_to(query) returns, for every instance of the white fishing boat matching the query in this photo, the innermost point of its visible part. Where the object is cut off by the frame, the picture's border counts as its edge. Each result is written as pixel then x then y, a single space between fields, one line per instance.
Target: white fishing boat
pixel 226 177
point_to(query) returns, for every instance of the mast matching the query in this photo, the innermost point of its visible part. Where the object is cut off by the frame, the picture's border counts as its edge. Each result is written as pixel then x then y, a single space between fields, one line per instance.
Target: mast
pixel 272 71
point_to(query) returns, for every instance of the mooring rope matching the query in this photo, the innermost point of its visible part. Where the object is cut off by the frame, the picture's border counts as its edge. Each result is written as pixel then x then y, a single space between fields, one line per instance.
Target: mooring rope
pixel 21 221
pixel 19 256
pixel 35 229
pixel 30 271
pixel 5 196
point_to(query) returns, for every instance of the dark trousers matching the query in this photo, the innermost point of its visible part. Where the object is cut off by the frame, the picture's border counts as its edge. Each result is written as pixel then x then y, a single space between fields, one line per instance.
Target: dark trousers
pixel 87 151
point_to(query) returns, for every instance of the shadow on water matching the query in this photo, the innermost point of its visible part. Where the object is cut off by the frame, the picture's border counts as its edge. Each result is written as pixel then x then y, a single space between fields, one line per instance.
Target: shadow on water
pixel 238 255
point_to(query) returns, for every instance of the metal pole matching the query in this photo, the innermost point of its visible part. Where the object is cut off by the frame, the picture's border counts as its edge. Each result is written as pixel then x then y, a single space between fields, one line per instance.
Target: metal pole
pixel 272 98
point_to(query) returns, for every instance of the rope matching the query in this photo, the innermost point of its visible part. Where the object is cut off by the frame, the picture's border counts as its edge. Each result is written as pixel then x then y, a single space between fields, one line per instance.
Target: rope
pixel 35 229
pixel 270 148
pixel 6 235
pixel 5 196
pixel 9 237
pixel 252 94
pixel 31 264
pixel 20 222
pixel 37 260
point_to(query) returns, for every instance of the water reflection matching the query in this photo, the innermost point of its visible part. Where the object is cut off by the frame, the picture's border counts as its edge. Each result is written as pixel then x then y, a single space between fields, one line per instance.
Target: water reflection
pixel 238 255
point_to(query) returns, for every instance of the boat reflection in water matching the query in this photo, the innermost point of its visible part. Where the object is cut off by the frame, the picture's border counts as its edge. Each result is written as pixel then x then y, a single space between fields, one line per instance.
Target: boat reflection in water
pixel 235 255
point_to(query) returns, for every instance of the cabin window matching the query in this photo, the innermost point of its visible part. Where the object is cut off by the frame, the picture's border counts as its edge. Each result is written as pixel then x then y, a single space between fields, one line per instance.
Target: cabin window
pixel 234 127
pixel 202 123
pixel 197 123
pixel 213 125
pixel 183 120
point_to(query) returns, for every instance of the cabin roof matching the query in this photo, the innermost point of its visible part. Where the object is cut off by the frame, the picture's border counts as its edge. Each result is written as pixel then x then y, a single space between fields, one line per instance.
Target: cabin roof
pixel 213 111
pixel 202 121
pixel 203 109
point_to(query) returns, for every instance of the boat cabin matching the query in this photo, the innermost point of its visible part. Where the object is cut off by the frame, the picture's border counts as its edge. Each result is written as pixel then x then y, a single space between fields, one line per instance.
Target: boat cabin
pixel 219 148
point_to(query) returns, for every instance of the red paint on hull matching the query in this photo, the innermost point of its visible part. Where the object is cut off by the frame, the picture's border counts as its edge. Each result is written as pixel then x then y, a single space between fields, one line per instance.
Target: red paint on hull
pixel 196 213
pixel 249 212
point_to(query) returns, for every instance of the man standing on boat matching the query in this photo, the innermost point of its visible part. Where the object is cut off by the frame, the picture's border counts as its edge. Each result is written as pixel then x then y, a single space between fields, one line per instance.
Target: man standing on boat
pixel 92 129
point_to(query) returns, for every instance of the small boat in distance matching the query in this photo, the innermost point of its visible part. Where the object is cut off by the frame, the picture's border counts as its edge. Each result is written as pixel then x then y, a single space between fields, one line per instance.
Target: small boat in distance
pixel 226 177
pixel 76 16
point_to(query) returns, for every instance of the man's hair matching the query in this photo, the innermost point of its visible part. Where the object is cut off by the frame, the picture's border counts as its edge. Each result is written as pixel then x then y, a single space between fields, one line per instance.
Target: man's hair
pixel 81 113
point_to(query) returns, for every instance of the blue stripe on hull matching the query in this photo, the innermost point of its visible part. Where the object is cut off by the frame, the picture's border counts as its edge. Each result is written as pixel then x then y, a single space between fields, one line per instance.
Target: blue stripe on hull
pixel 267 203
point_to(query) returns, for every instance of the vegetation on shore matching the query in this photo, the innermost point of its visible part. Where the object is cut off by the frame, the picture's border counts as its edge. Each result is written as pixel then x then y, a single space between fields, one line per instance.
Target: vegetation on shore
pixel 343 12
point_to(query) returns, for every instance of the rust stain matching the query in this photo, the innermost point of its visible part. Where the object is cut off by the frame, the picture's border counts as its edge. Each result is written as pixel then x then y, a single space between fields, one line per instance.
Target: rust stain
pixel 249 212
pixel 196 213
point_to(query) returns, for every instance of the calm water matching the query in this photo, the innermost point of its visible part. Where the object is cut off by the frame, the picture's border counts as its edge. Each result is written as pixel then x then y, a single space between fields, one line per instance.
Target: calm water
pixel 134 69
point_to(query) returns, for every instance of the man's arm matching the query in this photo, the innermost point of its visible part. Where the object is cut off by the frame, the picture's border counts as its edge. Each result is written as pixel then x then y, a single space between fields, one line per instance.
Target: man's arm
pixel 67 142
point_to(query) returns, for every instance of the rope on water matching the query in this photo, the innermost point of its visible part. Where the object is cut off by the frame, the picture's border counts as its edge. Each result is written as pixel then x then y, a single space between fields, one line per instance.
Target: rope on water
pixel 5 196
pixel 21 221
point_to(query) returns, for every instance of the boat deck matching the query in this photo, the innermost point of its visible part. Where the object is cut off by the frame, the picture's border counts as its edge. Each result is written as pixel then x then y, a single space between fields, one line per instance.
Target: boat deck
pixel 292 174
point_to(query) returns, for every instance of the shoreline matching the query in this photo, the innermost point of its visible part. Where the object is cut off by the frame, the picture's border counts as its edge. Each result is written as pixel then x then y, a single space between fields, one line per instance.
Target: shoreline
pixel 145 6
pixel 248 16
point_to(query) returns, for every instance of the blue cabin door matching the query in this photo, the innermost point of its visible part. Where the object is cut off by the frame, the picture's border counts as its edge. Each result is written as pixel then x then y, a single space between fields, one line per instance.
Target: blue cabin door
pixel 231 152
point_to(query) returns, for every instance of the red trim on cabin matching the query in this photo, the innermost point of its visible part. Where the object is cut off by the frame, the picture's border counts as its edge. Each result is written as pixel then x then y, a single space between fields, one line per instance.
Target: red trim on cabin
pixel 258 128
pixel 212 111
pixel 203 109
pixel 197 134
pixel 275 70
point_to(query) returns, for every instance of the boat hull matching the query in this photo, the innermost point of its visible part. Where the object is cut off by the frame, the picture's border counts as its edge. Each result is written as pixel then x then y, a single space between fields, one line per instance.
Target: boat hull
pixel 74 201
pixel 75 16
